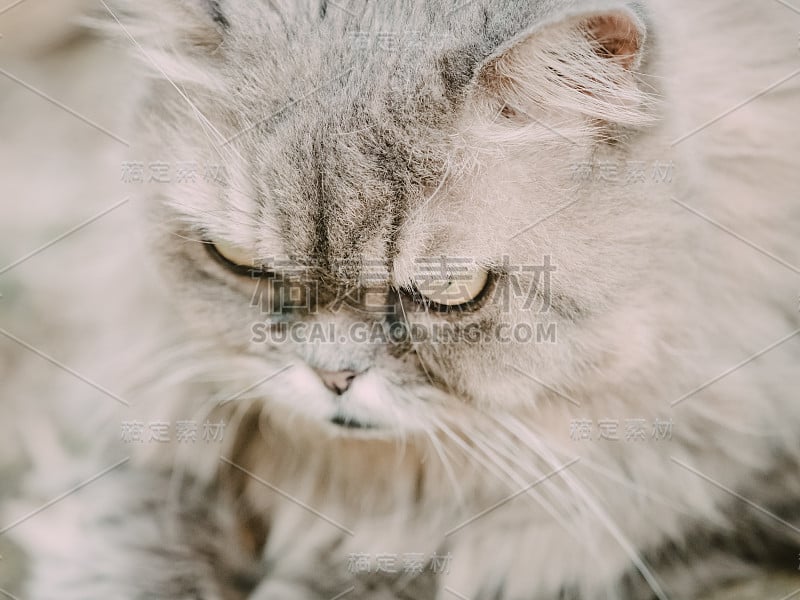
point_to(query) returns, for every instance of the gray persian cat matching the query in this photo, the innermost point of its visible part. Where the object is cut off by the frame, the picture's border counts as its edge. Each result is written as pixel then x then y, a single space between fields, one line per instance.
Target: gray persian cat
pixel 496 299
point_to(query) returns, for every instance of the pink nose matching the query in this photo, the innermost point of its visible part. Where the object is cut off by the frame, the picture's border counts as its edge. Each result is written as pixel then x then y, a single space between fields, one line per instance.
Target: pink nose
pixel 337 381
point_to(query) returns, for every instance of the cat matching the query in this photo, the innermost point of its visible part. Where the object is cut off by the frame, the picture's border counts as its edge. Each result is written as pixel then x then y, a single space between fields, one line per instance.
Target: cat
pixel 496 300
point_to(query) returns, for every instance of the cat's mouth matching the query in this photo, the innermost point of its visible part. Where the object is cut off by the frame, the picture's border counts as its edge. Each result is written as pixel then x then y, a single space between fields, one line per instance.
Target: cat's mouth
pixel 349 422
pixel 363 403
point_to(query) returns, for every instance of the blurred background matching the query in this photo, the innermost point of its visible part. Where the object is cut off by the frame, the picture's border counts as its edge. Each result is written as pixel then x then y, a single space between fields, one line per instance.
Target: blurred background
pixel 70 271
pixel 65 245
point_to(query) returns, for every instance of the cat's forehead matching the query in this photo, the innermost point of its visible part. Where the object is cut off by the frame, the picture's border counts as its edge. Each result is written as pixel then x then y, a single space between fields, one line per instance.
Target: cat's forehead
pixel 354 129
pixel 350 111
pixel 292 38
pixel 371 59
pixel 292 17
pixel 344 187
pixel 429 15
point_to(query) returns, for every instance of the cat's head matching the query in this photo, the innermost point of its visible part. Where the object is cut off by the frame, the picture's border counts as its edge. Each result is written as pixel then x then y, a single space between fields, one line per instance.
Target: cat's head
pixel 385 210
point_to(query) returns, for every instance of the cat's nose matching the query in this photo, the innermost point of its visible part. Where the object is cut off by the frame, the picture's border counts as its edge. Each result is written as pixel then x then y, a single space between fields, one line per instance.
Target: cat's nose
pixel 337 381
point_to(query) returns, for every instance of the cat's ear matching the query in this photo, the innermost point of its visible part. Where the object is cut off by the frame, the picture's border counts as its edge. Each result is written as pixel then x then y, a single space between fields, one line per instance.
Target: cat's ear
pixel 176 38
pixel 197 24
pixel 584 63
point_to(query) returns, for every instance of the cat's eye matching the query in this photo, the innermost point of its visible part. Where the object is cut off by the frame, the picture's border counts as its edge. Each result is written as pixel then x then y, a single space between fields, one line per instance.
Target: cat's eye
pixel 234 258
pixel 453 291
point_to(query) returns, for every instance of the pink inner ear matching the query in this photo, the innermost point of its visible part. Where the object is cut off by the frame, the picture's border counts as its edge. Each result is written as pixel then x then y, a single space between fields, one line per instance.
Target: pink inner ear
pixel 618 37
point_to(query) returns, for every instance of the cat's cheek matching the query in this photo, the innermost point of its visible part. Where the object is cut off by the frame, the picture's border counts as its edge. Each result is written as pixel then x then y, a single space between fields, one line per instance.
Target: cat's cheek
pixel 300 390
pixel 374 400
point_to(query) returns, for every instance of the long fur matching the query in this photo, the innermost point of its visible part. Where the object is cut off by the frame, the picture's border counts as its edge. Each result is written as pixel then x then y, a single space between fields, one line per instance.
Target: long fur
pixel 467 146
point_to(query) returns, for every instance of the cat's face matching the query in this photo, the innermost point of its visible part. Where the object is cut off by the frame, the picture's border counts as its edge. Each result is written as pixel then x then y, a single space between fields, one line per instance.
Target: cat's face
pixel 397 231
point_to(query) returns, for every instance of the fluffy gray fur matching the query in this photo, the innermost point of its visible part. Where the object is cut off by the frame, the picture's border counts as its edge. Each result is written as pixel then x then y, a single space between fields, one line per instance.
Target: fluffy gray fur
pixel 465 146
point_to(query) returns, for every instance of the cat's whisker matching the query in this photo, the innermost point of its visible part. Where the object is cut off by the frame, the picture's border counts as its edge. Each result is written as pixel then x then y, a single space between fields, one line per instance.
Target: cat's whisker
pixel 529 439
pixel 446 462
pixel 593 504
pixel 421 208
pixel 493 465
pixel 512 466
pixel 503 444
pixel 413 344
